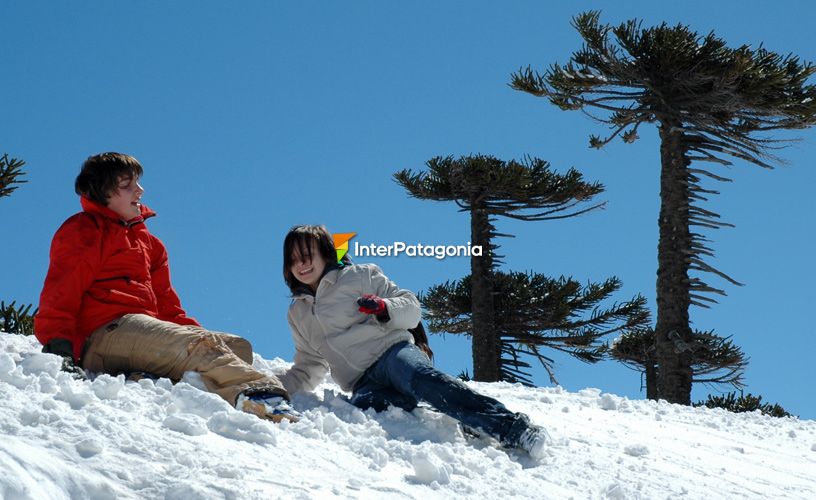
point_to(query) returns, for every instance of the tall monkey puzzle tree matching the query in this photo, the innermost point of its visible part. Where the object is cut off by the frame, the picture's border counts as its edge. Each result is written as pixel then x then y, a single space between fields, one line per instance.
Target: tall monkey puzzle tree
pixel 710 102
pixel 487 187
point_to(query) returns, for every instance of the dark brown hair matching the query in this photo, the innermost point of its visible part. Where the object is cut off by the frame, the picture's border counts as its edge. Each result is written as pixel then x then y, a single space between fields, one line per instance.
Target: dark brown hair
pixel 300 238
pixel 100 175
pixel 421 340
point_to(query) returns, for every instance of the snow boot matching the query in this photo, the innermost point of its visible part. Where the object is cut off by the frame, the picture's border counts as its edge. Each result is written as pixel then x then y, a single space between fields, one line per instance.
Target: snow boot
pixel 267 406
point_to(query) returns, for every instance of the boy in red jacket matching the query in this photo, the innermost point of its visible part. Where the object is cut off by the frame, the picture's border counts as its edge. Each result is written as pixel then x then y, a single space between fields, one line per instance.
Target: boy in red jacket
pixel 108 306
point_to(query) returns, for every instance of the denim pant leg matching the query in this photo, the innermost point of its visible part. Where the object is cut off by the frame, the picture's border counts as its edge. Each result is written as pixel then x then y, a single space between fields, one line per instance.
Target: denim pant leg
pixel 408 370
pixel 369 393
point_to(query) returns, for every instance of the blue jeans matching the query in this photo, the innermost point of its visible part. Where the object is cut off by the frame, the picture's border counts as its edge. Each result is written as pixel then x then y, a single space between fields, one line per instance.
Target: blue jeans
pixel 404 375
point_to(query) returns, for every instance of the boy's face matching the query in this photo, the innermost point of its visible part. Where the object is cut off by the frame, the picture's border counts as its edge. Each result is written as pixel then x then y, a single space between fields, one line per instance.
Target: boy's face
pixel 308 271
pixel 125 199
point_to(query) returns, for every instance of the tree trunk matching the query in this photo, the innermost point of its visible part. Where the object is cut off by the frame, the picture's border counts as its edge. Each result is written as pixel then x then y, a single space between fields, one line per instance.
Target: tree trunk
pixel 651 380
pixel 672 332
pixel 486 345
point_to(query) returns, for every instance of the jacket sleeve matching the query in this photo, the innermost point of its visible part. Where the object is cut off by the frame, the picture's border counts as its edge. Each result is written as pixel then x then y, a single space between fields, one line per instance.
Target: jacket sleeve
pixel 309 367
pixel 74 262
pixel 167 299
pixel 403 306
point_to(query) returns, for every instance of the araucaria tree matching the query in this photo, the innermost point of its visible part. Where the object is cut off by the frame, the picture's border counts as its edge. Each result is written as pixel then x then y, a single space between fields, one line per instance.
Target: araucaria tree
pixel 508 314
pixel 711 103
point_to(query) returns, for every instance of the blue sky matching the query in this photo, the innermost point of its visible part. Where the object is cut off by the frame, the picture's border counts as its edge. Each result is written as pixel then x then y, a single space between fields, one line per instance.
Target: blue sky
pixel 251 118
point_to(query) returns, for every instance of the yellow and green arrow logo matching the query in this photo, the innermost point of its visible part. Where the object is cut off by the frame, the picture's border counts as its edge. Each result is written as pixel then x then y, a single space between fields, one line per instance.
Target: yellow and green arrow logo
pixel 341 244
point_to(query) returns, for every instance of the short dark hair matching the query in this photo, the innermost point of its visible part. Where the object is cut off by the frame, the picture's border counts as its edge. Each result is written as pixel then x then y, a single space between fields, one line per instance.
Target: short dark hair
pixel 101 173
pixel 300 238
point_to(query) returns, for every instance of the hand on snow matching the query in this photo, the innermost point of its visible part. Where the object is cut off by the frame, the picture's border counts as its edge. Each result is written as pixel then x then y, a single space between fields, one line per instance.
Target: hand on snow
pixel 371 304
pixel 64 348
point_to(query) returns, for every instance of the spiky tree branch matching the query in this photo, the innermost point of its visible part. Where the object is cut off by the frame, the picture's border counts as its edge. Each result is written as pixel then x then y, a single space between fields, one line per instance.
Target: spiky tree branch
pixel 715 359
pixel 533 312
pixel 10 174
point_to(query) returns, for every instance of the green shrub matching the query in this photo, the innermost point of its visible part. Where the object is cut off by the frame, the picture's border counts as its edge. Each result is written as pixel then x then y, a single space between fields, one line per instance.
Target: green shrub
pixel 17 319
pixel 743 403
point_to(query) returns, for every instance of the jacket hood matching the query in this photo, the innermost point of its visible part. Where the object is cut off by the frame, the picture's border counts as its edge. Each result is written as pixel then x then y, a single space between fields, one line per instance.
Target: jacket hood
pixel 91 206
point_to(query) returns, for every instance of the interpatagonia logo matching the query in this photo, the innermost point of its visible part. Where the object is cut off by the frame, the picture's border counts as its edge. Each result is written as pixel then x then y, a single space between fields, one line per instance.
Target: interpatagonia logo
pixel 341 244
pixel 397 248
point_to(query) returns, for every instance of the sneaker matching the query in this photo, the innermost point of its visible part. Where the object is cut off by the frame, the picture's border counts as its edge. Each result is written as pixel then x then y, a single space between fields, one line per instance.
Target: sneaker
pixel 267 406
pixel 533 440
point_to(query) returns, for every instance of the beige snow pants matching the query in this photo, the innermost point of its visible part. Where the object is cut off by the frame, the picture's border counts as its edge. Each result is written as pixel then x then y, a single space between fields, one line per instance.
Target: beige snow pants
pixel 138 342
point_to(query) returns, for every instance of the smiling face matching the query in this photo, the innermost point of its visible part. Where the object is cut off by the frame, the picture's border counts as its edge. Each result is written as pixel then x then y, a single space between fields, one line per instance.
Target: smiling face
pixel 307 251
pixel 308 269
pixel 125 199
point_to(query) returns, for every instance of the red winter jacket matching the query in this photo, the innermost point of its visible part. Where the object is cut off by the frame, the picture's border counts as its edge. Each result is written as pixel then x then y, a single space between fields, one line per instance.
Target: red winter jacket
pixel 101 269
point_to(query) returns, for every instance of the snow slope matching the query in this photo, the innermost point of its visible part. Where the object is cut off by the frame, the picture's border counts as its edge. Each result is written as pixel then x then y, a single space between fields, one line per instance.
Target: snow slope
pixel 60 438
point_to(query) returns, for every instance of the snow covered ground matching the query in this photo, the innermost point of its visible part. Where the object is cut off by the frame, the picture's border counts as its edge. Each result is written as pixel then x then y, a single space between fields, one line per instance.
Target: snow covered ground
pixel 60 438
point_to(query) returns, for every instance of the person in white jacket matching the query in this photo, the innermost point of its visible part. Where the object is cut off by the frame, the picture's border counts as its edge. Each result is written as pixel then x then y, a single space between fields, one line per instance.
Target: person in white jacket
pixel 353 321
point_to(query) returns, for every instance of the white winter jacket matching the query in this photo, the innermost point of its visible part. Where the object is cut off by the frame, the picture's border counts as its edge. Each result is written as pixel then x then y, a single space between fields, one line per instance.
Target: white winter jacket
pixel 330 333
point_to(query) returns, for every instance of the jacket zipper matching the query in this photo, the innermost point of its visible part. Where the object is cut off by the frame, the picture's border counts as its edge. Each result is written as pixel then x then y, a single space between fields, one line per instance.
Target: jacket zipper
pixel 132 223
pixel 126 278
pixel 314 299
pixel 314 303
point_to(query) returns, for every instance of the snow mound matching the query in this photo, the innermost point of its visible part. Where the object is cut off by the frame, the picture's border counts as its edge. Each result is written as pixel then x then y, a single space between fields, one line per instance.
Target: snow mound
pixel 108 438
